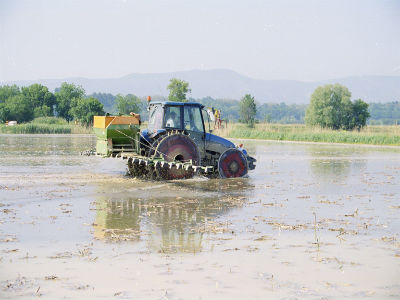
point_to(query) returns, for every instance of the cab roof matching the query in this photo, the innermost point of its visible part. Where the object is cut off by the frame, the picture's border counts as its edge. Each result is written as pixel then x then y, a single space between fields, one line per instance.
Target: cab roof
pixel 171 103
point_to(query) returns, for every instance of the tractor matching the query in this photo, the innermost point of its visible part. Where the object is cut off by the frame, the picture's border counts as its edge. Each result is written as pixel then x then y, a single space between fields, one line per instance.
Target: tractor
pixel 177 143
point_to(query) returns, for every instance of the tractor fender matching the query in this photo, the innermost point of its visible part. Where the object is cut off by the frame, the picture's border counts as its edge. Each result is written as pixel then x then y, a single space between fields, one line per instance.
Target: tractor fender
pixel 149 136
pixel 217 144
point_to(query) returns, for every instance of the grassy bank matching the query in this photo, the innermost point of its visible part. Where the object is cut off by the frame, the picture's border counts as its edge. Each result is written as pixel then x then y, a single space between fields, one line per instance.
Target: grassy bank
pixel 48 125
pixel 371 135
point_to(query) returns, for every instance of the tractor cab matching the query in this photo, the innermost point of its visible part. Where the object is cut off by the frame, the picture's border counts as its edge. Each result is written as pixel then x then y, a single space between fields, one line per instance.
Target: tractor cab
pixel 184 117
pixel 175 116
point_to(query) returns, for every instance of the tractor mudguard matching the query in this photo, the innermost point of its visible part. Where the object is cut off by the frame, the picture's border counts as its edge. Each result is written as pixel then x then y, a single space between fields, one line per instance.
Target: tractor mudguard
pixel 217 144
pixel 149 136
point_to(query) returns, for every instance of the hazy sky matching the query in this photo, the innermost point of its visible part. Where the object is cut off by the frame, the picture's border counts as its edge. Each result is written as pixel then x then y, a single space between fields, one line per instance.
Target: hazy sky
pixel 303 40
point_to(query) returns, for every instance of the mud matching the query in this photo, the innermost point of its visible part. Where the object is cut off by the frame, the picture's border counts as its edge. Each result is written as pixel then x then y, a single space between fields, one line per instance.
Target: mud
pixel 311 222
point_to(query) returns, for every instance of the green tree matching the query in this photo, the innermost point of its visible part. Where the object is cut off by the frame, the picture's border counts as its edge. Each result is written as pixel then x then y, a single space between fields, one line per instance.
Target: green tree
pixel 8 92
pixel 4 112
pixel 330 107
pixel 17 108
pixel 178 90
pixel 40 98
pixel 83 110
pixel 248 110
pixel 64 98
pixel 360 114
pixel 126 104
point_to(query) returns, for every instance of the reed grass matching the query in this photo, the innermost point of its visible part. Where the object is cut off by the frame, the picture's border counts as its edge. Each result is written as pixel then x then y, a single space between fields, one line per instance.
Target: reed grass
pixel 46 125
pixel 372 135
pixel 50 120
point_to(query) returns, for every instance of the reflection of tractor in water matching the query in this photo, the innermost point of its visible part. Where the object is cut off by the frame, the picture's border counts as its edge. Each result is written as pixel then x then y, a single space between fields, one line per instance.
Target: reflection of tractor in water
pixel 155 216
pixel 177 144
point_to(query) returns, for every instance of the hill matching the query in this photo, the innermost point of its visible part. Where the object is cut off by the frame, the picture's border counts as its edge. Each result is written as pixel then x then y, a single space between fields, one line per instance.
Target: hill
pixel 228 84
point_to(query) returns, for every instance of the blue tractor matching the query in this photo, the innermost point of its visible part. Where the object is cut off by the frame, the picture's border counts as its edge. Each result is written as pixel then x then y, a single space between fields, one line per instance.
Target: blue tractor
pixel 178 142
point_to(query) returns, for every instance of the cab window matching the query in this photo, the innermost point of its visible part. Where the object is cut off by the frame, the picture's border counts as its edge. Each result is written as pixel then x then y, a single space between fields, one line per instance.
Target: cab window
pixel 206 119
pixel 155 118
pixel 192 119
pixel 172 117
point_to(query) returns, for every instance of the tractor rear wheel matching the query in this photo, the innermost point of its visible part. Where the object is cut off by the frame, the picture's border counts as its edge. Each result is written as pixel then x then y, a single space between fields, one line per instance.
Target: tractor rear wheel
pixel 176 148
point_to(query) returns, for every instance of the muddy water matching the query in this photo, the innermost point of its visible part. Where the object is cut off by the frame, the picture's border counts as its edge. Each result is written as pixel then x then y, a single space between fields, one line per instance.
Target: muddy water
pixel 311 222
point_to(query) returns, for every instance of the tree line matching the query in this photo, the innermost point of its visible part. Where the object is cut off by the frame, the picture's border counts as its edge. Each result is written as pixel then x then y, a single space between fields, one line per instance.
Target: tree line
pixel 68 101
pixel 267 112
pixel 330 106
pixel 385 113
pixel 328 101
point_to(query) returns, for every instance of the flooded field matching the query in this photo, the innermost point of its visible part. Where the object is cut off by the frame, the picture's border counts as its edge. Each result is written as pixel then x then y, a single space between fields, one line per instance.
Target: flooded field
pixel 311 222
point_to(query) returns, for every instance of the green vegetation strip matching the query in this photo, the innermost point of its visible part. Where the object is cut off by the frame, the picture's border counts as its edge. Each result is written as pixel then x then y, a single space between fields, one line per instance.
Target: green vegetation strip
pixel 45 125
pixel 371 135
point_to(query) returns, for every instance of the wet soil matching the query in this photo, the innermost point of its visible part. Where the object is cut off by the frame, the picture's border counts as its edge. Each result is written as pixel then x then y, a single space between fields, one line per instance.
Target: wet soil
pixel 311 222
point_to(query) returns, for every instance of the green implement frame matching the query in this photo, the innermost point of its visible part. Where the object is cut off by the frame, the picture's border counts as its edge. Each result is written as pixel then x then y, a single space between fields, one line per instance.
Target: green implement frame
pixel 116 134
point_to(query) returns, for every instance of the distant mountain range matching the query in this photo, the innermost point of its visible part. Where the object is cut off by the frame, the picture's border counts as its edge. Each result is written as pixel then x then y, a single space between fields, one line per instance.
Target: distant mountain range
pixel 228 84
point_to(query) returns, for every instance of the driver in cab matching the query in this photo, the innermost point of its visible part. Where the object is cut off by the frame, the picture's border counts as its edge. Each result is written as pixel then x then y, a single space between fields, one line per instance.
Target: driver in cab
pixel 171 120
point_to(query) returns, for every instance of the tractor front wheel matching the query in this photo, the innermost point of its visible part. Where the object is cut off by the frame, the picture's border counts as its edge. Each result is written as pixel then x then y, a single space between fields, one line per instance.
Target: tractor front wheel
pixel 232 163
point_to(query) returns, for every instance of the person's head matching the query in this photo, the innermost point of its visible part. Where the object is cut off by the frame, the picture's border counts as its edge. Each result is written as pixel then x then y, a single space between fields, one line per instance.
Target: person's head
pixel 173 115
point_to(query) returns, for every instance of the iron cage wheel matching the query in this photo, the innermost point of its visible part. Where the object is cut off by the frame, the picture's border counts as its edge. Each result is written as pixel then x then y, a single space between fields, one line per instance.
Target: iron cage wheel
pixel 177 148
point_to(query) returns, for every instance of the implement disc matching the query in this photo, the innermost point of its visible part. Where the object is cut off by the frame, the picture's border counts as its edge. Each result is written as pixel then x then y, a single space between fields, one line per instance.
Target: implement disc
pixel 177 148
pixel 232 163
